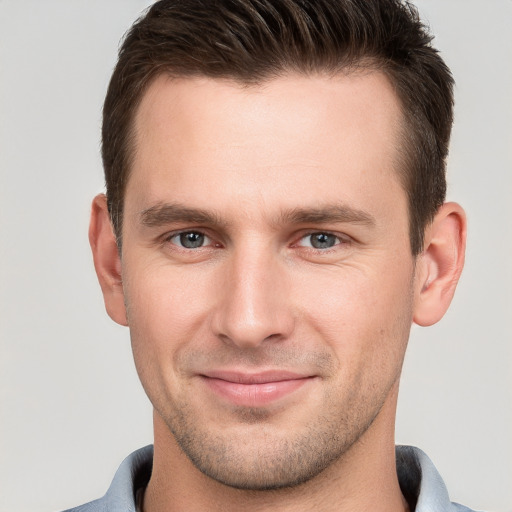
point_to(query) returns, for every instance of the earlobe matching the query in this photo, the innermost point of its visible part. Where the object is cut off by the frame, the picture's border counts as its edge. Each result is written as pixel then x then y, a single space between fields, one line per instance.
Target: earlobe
pixel 107 261
pixel 440 264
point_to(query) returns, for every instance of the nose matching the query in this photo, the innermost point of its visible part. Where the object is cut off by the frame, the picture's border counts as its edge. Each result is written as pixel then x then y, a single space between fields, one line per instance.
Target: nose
pixel 254 303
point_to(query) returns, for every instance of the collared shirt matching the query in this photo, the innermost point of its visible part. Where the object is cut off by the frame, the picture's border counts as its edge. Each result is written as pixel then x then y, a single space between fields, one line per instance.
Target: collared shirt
pixel 419 480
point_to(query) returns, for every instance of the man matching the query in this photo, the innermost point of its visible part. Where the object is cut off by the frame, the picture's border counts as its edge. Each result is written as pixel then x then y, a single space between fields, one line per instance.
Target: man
pixel 273 224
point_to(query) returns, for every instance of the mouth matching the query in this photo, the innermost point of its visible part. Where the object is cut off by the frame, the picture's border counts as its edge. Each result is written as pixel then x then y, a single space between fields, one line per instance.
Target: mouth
pixel 254 389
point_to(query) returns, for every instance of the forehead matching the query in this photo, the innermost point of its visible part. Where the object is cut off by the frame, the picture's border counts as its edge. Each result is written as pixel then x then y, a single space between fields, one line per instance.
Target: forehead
pixel 290 140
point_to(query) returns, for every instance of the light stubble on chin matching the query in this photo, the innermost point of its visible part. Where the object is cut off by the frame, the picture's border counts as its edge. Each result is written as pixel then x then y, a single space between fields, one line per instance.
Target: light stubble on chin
pixel 266 461
pixel 260 449
pixel 258 456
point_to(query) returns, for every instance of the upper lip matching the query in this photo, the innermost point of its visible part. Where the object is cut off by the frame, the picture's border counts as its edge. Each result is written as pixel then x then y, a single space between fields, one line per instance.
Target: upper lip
pixel 241 377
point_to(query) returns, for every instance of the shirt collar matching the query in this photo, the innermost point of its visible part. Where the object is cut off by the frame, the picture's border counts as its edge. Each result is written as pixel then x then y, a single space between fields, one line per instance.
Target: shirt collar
pixel 419 480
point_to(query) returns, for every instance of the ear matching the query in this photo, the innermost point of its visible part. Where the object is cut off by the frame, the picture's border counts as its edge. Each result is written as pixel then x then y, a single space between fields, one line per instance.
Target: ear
pixel 439 266
pixel 107 260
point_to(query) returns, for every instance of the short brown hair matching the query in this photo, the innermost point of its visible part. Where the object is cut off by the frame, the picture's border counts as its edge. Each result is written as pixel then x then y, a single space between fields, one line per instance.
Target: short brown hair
pixel 251 41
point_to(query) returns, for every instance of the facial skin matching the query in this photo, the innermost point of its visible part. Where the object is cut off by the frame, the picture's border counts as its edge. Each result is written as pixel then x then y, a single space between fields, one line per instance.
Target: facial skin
pixel 271 344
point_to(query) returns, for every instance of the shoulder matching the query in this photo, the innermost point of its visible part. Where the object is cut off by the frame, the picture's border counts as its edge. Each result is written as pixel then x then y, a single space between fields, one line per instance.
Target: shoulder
pixel 93 506
pixel 456 507
pixel 133 473
pixel 422 484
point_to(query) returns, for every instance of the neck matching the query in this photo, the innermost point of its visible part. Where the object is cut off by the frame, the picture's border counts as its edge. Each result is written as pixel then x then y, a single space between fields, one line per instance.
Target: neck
pixel 363 479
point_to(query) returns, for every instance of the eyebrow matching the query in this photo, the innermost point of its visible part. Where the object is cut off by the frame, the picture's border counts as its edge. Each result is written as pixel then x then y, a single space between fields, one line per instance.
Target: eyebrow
pixel 162 214
pixel 327 214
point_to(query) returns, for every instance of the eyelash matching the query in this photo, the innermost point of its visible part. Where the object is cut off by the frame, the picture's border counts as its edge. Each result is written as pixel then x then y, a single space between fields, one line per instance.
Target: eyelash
pixel 171 236
pixel 339 241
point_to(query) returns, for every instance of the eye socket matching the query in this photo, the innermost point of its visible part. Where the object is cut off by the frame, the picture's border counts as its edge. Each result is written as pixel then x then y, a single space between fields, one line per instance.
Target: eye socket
pixel 196 239
pixel 320 240
pixel 190 239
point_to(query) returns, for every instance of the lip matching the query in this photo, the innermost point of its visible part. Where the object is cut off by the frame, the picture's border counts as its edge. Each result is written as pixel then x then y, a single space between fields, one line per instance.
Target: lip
pixel 254 389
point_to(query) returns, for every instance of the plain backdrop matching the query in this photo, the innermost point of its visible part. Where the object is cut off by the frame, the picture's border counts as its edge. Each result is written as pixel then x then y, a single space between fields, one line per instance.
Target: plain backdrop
pixel 71 404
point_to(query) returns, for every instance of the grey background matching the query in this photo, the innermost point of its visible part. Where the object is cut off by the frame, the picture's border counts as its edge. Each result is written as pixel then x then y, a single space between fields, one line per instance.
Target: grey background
pixel 71 404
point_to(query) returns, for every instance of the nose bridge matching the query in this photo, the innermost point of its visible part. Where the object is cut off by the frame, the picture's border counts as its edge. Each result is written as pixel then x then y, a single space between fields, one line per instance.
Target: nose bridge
pixel 253 306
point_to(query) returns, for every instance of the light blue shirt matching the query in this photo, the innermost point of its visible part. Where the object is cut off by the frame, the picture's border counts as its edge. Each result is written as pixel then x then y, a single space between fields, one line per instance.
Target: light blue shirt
pixel 417 476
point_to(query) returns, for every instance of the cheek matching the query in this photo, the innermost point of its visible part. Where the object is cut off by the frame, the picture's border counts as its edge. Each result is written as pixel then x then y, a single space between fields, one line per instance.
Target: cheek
pixel 164 299
pixel 166 312
pixel 363 314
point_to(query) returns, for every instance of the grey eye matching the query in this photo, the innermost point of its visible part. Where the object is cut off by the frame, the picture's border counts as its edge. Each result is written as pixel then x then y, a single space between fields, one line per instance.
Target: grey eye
pixel 190 239
pixel 320 240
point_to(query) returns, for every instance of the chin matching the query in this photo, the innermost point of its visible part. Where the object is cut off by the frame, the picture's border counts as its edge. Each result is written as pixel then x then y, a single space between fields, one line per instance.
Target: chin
pixel 262 457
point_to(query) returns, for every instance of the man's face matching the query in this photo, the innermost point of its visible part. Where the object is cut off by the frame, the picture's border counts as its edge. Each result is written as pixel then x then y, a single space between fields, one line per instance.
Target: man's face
pixel 267 271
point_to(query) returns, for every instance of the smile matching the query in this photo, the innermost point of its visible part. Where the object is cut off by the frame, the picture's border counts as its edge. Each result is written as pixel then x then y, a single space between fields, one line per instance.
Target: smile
pixel 254 390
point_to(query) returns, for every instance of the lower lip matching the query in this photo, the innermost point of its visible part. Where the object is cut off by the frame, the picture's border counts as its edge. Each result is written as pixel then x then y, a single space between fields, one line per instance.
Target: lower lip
pixel 254 395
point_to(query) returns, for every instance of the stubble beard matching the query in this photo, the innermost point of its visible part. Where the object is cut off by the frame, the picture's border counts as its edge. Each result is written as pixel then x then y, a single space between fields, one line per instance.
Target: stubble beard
pixel 257 452
pixel 258 456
